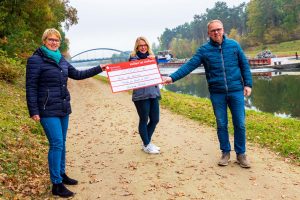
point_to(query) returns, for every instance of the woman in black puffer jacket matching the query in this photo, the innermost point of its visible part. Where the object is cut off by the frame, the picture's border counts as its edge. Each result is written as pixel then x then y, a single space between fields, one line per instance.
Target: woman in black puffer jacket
pixel 48 101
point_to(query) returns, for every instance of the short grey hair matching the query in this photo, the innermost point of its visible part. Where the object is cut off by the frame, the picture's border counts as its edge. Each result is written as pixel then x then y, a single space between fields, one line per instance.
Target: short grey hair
pixel 213 21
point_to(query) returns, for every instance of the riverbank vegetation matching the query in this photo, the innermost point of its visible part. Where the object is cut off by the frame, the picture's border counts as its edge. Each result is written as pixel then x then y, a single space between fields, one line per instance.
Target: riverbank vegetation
pixel 281 49
pixel 10 69
pixel 23 146
pixel 253 24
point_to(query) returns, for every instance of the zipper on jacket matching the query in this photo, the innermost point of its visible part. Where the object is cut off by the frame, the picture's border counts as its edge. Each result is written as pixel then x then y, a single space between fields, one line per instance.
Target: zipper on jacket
pixel 223 67
pixel 46 101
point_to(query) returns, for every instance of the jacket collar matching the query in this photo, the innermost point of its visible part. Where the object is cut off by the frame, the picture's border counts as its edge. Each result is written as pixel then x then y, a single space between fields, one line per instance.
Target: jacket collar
pixel 40 53
pixel 217 44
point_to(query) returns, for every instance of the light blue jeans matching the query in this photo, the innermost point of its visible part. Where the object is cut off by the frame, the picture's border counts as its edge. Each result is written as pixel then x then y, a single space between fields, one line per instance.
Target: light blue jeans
pixel 56 131
pixel 235 102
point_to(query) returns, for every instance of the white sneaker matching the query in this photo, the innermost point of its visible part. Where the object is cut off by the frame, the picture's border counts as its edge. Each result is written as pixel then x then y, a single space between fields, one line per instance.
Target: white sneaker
pixel 150 149
pixel 154 146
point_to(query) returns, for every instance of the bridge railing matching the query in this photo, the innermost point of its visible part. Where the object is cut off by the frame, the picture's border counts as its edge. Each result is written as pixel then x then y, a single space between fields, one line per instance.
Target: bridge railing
pixel 121 56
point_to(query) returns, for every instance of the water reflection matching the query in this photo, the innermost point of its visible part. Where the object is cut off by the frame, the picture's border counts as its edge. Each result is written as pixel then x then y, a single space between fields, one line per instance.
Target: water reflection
pixel 276 93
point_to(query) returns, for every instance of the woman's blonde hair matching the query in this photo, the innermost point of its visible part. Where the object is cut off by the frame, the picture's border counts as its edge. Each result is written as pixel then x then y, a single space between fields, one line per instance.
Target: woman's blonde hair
pixel 136 45
pixel 50 31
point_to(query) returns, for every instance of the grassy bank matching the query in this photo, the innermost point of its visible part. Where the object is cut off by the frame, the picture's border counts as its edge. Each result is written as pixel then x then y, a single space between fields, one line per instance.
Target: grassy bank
pixel 281 49
pixel 23 147
pixel 278 134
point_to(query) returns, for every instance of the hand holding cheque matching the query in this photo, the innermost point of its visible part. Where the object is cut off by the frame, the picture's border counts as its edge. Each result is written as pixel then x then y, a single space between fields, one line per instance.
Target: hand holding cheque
pixel 132 75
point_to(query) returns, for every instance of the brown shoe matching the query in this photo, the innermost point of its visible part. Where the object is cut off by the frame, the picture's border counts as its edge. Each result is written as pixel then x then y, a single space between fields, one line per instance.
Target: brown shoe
pixel 224 159
pixel 242 160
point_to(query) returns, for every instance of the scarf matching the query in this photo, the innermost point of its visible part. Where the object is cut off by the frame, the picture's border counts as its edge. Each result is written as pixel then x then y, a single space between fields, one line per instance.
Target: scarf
pixel 142 55
pixel 54 55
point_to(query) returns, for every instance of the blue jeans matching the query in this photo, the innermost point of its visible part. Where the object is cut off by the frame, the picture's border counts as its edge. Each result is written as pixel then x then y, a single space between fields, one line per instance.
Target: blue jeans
pixel 148 111
pixel 235 102
pixel 56 131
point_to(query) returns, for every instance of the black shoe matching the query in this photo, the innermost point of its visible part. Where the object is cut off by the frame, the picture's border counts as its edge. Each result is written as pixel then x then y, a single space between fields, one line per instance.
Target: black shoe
pixel 68 181
pixel 61 190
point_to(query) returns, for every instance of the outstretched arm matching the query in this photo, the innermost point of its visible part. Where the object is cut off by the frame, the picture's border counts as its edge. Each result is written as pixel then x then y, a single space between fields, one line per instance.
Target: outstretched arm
pixel 83 74
pixel 188 67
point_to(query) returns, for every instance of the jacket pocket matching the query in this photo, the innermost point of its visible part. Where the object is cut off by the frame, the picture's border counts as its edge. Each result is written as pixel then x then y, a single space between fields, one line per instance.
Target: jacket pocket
pixel 46 100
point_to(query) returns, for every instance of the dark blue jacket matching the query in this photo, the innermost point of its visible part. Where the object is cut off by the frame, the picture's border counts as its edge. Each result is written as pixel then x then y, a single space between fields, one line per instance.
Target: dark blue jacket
pixel 226 66
pixel 147 92
pixel 46 85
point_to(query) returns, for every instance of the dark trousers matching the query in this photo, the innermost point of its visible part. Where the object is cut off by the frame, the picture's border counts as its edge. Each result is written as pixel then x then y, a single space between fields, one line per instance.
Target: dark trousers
pixel 148 111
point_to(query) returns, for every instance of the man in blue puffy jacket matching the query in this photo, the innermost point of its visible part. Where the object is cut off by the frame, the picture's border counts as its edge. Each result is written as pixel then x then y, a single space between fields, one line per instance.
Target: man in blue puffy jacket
pixel 229 80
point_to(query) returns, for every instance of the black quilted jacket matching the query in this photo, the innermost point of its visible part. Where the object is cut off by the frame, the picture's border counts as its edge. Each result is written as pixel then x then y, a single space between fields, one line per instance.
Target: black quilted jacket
pixel 47 94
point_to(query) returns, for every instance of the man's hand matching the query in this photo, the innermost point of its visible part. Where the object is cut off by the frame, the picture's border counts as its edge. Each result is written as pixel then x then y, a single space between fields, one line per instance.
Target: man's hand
pixel 247 91
pixel 167 80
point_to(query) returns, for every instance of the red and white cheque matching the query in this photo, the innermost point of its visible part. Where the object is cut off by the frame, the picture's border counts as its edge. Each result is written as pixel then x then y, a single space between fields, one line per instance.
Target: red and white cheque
pixel 132 75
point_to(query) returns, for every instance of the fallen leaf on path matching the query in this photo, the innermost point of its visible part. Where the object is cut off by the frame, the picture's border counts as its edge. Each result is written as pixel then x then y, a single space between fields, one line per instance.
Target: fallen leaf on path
pixel 132 165
pixel 167 185
pixel 179 194
pixel 127 194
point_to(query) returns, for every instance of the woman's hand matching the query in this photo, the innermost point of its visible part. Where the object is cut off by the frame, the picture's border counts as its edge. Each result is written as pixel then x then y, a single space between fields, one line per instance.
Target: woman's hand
pixel 36 118
pixel 151 56
pixel 103 67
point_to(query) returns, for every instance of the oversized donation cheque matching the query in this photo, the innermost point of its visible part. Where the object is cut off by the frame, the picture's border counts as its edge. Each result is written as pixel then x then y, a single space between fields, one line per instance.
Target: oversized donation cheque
pixel 132 75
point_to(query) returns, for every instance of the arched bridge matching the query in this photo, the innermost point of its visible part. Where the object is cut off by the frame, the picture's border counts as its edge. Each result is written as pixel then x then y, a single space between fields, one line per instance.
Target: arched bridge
pixel 104 55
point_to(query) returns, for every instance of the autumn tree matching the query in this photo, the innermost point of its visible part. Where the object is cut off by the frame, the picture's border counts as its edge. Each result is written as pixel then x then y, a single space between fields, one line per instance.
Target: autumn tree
pixel 195 32
pixel 22 23
pixel 183 48
pixel 273 21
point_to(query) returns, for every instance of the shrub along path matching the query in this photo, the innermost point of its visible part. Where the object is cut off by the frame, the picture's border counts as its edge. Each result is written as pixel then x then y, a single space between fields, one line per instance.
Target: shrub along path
pixel 104 154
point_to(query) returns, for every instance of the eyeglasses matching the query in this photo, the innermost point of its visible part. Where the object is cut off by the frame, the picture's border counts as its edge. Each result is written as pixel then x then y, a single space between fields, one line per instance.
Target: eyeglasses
pixel 52 40
pixel 216 30
pixel 143 45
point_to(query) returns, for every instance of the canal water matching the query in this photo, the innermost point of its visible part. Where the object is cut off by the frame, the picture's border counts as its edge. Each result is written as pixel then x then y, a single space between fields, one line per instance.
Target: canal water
pixel 277 93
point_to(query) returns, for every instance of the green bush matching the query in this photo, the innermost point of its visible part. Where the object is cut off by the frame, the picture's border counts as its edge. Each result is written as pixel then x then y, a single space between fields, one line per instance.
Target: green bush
pixel 10 69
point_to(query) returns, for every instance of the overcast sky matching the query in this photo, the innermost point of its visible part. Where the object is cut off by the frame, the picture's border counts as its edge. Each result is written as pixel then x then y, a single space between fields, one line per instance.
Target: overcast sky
pixel 117 23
